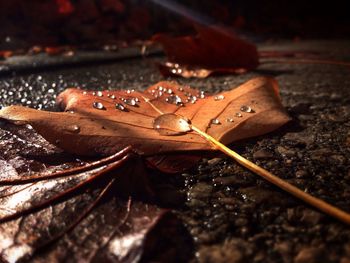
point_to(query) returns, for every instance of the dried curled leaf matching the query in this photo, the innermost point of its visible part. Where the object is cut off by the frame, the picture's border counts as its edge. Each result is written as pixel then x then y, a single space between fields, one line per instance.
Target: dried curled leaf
pixel 102 123
pixel 213 50
pixel 115 231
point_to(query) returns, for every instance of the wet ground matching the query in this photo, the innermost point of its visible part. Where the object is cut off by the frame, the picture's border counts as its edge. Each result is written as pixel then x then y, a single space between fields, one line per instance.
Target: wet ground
pixel 232 215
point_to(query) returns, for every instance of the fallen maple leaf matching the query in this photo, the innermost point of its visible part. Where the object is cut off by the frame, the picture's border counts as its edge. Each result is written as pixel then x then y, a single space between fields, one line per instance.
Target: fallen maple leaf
pixel 104 122
pixel 213 50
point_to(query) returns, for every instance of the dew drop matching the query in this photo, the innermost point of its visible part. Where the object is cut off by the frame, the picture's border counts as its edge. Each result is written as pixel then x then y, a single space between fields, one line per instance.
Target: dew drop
pixel 131 102
pixel 120 107
pixel 112 97
pixel 229 120
pixel 73 128
pixel 84 92
pixel 219 97
pixel 174 99
pixel 245 108
pixel 170 124
pixel 99 93
pixel 192 99
pixel 239 115
pixel 98 105
pixel 215 121
pixel 180 89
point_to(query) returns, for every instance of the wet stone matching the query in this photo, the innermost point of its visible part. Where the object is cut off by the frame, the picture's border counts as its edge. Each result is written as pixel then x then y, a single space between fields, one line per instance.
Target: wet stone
pixel 301 108
pixel 311 217
pixel 262 154
pixel 196 203
pixel 303 138
pixel 320 155
pixel 221 254
pixel 214 161
pixel 285 151
pixel 200 191
pixel 234 180
pixel 301 174
pixel 284 248
pixel 309 255
pixel 337 118
pixel 338 159
pixel 260 195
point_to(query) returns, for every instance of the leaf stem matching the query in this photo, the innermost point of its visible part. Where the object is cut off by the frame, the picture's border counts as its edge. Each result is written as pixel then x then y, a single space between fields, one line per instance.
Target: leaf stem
pixel 307 198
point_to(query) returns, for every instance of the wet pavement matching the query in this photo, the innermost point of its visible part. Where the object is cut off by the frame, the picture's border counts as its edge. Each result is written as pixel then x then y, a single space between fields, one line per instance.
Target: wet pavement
pixel 232 215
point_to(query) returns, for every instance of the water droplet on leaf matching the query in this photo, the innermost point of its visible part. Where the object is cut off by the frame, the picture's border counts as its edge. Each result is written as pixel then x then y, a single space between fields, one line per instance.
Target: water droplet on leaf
pixel 131 102
pixel 174 99
pixel 99 94
pixel 171 124
pixel 192 99
pixel 98 105
pixel 219 97
pixel 120 106
pixel 180 89
pixel 215 121
pixel 229 120
pixel 239 115
pixel 245 108
pixel 73 128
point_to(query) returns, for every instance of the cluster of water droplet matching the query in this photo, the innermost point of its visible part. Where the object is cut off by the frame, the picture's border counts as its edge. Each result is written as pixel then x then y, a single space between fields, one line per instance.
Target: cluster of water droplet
pixel 243 108
pixel 121 102
pixel 172 98
pixel 175 68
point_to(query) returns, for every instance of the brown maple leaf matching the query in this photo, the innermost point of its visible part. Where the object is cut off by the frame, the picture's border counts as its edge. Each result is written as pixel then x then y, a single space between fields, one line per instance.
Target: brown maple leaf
pixel 104 122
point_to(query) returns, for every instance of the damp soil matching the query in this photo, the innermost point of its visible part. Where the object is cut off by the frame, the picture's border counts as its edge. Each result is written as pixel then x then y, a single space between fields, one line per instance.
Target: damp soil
pixel 230 213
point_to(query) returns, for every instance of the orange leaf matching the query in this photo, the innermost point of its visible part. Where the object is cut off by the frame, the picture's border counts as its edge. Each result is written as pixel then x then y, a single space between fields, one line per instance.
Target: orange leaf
pixel 102 123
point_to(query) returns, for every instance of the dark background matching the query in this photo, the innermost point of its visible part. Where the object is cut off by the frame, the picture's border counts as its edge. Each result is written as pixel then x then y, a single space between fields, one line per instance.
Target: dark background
pixel 92 22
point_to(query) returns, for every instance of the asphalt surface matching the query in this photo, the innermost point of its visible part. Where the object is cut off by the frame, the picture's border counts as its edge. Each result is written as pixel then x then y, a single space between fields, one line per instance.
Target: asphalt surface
pixel 232 215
